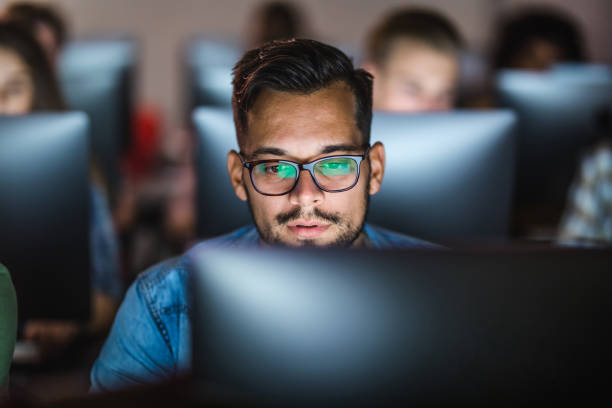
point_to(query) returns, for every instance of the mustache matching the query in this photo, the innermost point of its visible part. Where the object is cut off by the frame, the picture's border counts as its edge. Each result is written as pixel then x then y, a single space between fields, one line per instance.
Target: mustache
pixel 296 213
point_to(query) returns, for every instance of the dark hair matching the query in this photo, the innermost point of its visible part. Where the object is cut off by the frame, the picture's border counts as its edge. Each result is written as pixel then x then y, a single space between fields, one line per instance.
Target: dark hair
pixel 423 25
pixel 47 95
pixel 31 14
pixel 553 26
pixel 298 66
pixel 277 20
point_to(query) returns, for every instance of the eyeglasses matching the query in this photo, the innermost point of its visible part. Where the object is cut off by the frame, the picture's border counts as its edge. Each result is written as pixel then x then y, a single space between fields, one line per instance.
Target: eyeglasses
pixel 332 174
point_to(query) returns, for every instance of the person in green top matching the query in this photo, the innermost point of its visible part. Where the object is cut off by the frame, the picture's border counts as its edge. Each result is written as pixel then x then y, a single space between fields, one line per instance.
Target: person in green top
pixel 8 326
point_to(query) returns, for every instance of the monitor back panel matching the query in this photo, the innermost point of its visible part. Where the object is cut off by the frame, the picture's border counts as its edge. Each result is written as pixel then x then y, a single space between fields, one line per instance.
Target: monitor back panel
pixel 44 213
pixel 208 64
pixel 97 78
pixel 448 176
pixel 562 114
pixel 432 328
pixel 218 209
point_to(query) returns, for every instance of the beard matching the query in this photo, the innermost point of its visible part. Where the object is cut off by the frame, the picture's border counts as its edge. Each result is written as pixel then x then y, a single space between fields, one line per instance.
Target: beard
pixel 348 231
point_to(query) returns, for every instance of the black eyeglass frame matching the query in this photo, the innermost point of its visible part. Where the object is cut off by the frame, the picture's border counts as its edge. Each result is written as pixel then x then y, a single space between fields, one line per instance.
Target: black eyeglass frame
pixel 250 165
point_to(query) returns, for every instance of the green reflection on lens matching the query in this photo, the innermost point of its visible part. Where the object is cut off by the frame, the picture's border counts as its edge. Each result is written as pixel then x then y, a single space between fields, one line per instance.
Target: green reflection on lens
pixel 285 171
pixel 336 167
pixel 275 169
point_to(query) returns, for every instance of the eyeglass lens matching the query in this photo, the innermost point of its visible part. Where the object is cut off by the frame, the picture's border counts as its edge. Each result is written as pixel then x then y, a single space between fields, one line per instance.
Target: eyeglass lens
pixel 279 177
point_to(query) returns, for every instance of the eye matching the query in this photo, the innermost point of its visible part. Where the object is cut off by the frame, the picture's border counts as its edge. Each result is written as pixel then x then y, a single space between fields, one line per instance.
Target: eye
pixel 280 170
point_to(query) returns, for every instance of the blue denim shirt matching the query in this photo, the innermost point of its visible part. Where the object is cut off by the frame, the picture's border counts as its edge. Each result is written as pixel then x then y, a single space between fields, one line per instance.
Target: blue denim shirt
pixel 151 338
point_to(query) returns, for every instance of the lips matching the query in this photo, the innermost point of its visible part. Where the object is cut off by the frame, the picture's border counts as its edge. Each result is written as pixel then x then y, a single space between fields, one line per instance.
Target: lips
pixel 307 229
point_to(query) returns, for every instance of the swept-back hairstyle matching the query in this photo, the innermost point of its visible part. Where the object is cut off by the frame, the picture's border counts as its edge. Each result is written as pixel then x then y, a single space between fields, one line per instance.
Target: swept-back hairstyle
pixel 419 24
pixel 298 66
pixel 47 96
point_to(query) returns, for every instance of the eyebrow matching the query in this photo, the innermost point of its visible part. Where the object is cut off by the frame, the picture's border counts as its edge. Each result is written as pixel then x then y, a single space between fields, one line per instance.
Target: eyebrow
pixel 326 150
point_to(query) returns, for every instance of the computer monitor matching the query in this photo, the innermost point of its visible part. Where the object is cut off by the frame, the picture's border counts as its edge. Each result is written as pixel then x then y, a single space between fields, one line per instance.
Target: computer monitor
pixel 218 209
pixel 44 213
pixel 97 77
pixel 434 328
pixel 448 176
pixel 561 114
pixel 208 65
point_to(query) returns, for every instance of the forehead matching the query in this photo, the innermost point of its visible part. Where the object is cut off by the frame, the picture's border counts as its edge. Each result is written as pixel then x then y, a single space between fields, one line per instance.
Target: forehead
pixel 303 123
pixel 412 56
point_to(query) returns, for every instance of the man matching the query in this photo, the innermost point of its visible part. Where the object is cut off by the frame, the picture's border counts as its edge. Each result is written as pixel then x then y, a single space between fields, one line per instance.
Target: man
pixel 413 55
pixel 302 115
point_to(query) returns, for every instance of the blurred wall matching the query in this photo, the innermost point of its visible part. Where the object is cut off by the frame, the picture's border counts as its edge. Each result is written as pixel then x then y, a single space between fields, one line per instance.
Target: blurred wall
pixel 163 26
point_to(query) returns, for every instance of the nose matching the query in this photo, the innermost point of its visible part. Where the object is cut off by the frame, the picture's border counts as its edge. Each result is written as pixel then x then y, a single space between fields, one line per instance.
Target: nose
pixel 306 193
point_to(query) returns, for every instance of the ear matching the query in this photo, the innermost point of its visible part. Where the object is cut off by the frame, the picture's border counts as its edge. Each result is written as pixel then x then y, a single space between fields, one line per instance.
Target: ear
pixel 235 171
pixel 377 167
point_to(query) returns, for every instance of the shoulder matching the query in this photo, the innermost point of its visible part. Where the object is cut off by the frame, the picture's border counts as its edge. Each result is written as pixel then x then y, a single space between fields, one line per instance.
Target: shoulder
pixel 382 238
pixel 164 284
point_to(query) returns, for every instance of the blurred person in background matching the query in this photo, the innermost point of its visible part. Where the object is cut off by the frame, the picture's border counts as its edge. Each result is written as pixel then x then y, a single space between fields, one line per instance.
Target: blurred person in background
pixel 588 215
pixel 8 327
pixel 535 39
pixel 276 20
pixel 44 23
pixel 413 54
pixel 27 84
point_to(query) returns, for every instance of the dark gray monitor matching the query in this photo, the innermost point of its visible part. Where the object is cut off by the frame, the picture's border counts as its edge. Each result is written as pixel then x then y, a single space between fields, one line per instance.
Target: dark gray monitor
pixel 448 176
pixel 208 77
pixel 96 76
pixel 44 213
pixel 218 209
pixel 561 114
pixel 434 328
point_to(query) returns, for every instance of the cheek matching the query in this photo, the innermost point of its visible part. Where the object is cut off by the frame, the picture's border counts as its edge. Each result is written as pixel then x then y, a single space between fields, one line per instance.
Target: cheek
pixel 265 208
pixel 19 103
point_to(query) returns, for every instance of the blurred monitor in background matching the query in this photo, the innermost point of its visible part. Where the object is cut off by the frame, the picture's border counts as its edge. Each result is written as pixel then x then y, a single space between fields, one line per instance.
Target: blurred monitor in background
pixel 413 55
pixel 44 22
pixel 275 20
pixel 208 63
pixel 535 38
pixel 449 176
pixel 562 113
pixel 28 85
pixel 44 215
pixel 97 77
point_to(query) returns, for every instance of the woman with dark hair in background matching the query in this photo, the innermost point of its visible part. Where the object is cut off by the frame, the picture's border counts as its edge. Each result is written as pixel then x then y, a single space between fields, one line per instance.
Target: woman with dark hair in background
pixel 43 22
pixel 27 84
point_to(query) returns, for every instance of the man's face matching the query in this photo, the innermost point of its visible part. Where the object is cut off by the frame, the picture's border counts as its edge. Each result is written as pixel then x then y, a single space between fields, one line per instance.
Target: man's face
pixel 303 128
pixel 415 78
